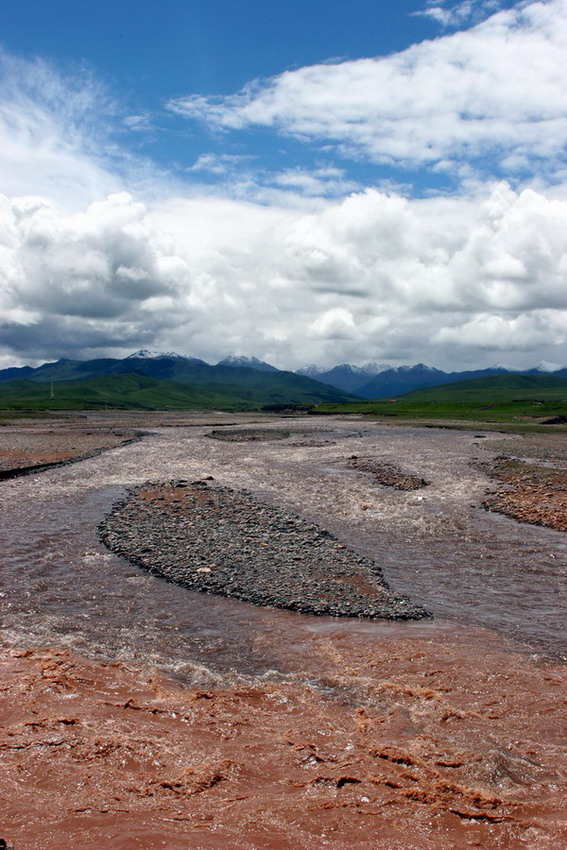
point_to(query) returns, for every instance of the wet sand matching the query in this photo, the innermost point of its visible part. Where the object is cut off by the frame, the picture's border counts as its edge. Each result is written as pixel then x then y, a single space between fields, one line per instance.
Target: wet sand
pixel 363 735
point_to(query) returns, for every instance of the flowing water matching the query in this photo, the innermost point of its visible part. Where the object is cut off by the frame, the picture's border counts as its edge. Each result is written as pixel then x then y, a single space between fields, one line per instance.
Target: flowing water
pixel 59 586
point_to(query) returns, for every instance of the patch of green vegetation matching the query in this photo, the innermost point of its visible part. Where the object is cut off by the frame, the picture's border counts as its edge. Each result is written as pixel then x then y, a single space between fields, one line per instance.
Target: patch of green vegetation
pixel 521 401
pixel 121 391
pixel 279 389
pixel 142 392
pixel 8 416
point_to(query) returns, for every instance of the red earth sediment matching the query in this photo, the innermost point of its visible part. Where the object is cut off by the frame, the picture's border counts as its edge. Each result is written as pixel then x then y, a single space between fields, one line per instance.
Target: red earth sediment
pixel 408 746
pixel 37 444
pixel 537 494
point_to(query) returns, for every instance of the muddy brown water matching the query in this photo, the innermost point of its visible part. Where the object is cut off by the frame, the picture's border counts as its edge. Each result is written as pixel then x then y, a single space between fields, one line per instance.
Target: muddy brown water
pixel 302 733
pixel 59 586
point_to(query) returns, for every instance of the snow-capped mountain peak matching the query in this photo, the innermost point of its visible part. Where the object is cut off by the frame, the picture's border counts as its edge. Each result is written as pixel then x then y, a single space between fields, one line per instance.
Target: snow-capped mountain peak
pixel 507 367
pixel 146 354
pixel 375 368
pixel 366 368
pixel 371 369
pixel 311 370
pixel 544 366
pixel 240 360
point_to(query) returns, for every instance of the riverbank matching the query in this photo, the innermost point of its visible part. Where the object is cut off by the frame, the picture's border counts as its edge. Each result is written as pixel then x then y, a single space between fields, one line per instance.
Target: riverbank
pixel 30 446
pixel 533 492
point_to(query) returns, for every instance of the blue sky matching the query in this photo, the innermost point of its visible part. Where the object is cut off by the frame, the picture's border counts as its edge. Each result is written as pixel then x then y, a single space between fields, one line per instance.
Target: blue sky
pixel 148 54
pixel 315 181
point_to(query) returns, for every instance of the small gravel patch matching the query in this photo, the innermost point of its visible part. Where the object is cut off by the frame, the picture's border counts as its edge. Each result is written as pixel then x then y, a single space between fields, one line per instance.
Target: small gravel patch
pixel 250 435
pixel 214 539
pixel 387 474
pixel 35 451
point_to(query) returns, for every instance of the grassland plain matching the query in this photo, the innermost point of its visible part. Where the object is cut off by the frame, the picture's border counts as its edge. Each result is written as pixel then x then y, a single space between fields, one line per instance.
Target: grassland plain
pixel 504 401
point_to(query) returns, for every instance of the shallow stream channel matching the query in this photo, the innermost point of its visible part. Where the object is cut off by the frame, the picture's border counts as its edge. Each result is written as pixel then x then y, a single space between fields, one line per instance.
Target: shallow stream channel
pixel 60 586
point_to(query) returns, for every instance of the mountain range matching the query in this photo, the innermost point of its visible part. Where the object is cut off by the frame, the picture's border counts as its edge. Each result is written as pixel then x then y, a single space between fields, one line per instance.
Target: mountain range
pixel 152 380
pixel 175 380
pixel 374 381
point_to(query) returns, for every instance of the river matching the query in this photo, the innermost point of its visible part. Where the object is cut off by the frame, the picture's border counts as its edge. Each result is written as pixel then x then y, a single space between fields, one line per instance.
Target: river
pixel 59 586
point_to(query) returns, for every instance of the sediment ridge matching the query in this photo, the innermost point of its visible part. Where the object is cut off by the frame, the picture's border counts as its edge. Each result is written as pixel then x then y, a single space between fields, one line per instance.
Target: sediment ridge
pixel 38 451
pixel 532 493
pixel 210 538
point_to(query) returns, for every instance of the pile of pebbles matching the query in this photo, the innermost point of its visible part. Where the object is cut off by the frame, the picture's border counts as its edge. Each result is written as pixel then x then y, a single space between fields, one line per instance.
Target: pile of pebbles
pixel 214 539
pixel 387 474
pixel 249 435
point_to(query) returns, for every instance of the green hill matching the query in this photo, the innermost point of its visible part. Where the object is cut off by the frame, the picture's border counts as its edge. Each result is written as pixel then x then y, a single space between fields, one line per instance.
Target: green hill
pixel 502 398
pixel 133 390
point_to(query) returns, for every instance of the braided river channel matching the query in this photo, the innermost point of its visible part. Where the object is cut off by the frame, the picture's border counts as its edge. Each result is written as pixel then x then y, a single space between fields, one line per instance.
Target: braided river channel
pixel 472 569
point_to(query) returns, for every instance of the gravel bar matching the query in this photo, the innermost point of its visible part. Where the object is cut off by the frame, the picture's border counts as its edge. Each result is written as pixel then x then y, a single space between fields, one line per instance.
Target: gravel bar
pixel 211 538
pixel 387 474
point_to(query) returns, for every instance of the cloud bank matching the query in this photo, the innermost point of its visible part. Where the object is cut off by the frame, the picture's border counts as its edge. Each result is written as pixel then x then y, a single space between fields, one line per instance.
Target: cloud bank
pixel 101 254
pixel 368 277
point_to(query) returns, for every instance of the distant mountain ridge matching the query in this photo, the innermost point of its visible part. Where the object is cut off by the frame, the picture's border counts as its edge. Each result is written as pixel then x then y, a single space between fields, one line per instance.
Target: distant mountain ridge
pixel 345 376
pixel 369 381
pixel 390 381
pixel 153 380
pixel 239 361
pixel 146 354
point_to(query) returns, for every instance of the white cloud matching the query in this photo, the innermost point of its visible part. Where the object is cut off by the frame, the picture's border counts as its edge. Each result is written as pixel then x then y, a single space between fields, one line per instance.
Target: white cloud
pixel 317 182
pixel 54 134
pixel 495 91
pixel 295 276
pixel 466 12
pixel 337 323
pixel 367 277
pixel 219 163
pixel 526 332
pixel 138 123
pixel 97 269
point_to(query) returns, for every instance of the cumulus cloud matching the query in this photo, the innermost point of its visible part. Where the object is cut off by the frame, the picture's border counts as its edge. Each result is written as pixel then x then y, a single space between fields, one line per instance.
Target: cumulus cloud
pixel 524 332
pixel 370 276
pixel 337 323
pixel 70 281
pixel 300 265
pixel 494 93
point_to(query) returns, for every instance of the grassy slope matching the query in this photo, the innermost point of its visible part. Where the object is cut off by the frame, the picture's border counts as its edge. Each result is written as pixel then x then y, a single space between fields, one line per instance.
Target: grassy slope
pixel 242 381
pixel 133 390
pixel 503 398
